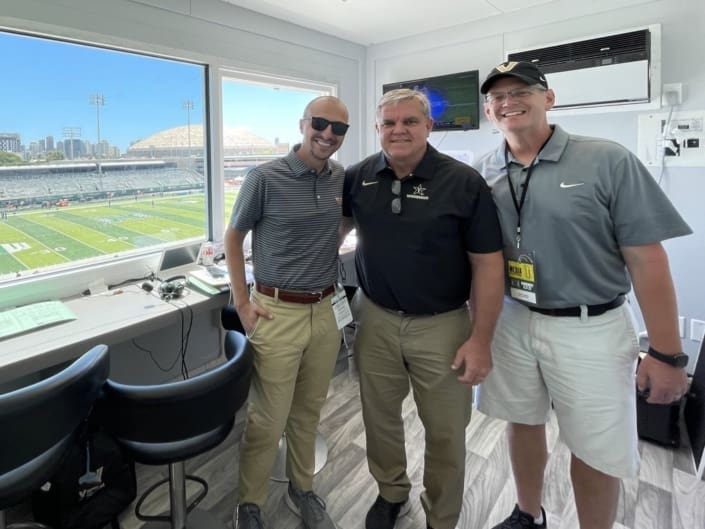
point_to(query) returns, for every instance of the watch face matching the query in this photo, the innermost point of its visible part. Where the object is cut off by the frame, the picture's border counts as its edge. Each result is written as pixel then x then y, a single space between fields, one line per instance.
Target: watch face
pixel 680 360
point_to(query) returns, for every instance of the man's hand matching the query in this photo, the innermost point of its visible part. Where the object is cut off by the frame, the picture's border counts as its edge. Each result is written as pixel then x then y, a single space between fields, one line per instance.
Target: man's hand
pixel 663 383
pixel 477 362
pixel 249 312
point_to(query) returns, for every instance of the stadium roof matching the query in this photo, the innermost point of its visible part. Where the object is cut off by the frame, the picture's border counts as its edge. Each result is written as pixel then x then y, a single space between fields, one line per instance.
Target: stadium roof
pixel 178 138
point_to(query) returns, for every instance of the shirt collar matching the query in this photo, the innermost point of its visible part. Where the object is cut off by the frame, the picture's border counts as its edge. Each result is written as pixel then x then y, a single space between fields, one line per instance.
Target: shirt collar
pixel 552 151
pixel 424 169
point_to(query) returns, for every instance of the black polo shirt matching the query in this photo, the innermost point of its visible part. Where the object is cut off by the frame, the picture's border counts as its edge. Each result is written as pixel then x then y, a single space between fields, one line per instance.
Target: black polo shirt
pixel 416 261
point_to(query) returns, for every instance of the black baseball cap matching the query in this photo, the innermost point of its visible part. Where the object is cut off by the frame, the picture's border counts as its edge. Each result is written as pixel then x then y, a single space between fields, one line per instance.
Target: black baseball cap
pixel 524 71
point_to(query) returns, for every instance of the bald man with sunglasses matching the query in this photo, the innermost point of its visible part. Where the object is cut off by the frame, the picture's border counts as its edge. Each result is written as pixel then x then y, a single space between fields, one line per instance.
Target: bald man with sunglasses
pixel 293 207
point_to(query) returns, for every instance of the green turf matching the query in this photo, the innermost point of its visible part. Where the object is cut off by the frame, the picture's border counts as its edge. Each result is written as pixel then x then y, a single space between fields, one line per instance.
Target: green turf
pixel 42 238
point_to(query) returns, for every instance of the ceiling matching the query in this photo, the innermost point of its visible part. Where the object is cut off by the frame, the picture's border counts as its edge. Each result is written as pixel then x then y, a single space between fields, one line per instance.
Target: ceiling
pixel 369 22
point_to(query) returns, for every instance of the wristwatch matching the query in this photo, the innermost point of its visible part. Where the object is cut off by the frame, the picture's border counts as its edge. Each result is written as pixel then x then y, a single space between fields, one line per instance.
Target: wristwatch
pixel 675 360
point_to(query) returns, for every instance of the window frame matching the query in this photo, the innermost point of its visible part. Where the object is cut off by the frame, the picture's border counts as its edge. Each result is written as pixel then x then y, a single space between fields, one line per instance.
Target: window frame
pixel 71 279
pixel 226 73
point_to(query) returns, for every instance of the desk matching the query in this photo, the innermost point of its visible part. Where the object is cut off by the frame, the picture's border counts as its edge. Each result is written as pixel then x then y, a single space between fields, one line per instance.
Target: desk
pixel 111 318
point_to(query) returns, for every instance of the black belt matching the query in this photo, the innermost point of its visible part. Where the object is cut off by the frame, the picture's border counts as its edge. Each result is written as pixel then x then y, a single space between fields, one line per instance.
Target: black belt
pixel 592 310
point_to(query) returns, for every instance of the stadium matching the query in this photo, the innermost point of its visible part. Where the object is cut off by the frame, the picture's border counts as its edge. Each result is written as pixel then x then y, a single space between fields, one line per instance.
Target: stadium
pixel 30 186
pixel 60 212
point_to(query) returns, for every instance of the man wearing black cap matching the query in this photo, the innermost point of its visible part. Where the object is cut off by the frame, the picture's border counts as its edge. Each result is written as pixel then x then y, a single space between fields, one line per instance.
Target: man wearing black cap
pixel 580 216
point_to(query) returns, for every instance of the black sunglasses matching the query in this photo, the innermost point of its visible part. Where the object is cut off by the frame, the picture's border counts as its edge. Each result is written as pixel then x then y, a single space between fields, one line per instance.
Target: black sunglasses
pixel 396 201
pixel 320 124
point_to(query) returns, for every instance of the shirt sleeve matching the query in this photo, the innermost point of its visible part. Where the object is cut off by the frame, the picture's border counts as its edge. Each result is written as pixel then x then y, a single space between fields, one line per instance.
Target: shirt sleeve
pixel 483 233
pixel 641 211
pixel 249 205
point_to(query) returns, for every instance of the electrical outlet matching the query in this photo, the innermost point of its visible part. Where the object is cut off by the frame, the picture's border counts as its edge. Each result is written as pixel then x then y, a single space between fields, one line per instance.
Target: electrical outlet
pixel 697 330
pixel 672 94
pixel 681 326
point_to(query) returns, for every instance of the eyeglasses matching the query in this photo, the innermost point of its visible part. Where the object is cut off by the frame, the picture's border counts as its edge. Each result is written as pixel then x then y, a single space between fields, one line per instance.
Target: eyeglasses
pixel 320 124
pixel 396 201
pixel 516 93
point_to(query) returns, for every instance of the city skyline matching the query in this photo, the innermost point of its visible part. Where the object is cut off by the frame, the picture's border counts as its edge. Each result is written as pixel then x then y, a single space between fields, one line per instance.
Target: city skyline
pixel 67 86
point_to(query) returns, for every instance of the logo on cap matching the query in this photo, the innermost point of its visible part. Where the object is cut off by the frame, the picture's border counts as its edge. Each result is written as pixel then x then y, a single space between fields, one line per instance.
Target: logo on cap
pixel 507 67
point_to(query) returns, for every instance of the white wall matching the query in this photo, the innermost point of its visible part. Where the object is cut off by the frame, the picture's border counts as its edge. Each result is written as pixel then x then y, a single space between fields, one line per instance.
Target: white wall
pixel 482 45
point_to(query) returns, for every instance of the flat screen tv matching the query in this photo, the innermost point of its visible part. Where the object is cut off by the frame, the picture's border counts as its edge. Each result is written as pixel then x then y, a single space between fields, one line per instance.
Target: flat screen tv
pixel 454 98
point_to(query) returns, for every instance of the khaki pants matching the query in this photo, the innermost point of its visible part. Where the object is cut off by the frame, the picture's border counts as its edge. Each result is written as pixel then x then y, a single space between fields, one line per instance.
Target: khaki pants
pixel 393 350
pixel 295 354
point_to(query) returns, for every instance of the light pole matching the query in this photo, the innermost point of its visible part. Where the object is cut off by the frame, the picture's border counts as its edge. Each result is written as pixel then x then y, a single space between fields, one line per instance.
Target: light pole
pixel 97 99
pixel 188 106
pixel 71 133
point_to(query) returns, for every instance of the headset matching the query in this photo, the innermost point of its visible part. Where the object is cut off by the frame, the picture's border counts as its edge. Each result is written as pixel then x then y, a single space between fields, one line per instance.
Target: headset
pixel 172 288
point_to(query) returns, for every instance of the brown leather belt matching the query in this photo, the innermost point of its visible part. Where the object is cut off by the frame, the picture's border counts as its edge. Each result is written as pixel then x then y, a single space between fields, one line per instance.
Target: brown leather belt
pixel 293 296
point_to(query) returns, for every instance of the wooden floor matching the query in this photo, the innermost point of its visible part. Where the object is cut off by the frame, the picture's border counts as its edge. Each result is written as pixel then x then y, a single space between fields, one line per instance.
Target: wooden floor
pixel 665 496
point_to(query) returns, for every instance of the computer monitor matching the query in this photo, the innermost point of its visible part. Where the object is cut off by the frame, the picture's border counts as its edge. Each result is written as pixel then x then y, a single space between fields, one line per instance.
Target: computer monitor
pixel 180 256
pixel 454 99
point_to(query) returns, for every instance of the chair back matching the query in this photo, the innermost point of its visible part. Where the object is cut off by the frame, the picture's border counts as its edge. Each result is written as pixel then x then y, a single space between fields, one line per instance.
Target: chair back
pixel 167 422
pixel 38 422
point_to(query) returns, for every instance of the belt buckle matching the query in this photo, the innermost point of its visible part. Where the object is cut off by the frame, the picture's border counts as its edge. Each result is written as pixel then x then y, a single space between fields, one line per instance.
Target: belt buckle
pixel 319 294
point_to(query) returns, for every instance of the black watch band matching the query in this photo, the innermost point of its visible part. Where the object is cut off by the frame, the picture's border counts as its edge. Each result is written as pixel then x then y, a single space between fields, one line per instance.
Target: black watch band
pixel 674 360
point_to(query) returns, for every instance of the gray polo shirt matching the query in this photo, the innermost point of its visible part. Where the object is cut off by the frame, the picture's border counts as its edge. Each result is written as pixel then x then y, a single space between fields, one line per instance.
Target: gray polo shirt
pixel 586 198
pixel 293 213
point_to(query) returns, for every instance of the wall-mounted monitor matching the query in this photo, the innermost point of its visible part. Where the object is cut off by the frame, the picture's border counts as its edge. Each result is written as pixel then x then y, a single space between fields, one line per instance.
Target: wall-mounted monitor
pixel 454 98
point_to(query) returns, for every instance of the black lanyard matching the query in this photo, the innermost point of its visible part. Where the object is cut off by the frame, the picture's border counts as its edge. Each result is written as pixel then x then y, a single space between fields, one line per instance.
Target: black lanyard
pixel 519 204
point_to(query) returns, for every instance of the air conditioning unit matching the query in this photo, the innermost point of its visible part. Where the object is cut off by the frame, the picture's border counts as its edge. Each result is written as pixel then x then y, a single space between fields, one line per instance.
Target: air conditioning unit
pixel 602 70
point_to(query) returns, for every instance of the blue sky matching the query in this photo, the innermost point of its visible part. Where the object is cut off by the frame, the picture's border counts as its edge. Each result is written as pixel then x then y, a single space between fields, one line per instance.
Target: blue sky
pixel 143 95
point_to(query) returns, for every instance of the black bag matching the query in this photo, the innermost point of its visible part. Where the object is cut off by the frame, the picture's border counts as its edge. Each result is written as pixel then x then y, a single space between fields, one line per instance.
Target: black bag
pixel 94 484
pixel 659 423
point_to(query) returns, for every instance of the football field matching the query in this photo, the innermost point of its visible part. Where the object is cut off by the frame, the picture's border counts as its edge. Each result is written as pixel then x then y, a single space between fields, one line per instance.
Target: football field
pixel 47 237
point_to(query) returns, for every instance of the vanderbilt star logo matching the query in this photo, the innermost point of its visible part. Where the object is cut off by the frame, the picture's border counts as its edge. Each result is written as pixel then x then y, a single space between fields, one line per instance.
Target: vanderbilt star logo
pixel 418 193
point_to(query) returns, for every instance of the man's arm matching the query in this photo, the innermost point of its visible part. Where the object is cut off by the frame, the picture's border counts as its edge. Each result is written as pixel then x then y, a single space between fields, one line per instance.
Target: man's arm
pixel 346 225
pixel 486 297
pixel 653 286
pixel 235 258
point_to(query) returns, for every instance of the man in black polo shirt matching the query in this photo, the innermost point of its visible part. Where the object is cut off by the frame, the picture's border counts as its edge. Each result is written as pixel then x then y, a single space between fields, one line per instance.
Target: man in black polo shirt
pixel 426 225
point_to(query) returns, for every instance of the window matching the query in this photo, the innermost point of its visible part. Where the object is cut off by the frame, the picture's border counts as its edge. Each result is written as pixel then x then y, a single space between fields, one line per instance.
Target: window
pixel 101 154
pixel 260 122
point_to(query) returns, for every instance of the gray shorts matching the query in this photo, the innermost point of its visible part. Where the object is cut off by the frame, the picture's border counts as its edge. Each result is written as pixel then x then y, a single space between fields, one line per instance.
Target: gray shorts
pixel 584 367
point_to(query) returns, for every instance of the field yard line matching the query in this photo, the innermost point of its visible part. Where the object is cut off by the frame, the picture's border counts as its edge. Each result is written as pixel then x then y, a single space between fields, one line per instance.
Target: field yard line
pixel 24 234
pixel 100 252
pixel 169 221
pixel 198 215
pixel 21 234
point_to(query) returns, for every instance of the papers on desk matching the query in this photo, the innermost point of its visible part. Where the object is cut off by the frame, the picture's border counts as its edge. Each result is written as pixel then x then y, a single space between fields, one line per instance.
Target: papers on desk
pixel 210 279
pixel 215 279
pixel 34 316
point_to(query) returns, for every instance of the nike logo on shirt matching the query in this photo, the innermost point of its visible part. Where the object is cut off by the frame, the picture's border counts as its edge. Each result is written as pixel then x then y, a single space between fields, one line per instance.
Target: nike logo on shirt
pixel 567 186
pixel 370 183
